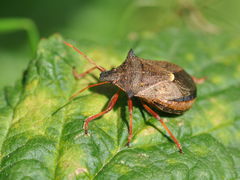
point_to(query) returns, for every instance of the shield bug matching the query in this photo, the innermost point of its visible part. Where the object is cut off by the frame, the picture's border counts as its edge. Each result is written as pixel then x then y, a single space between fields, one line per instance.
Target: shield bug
pixel 160 84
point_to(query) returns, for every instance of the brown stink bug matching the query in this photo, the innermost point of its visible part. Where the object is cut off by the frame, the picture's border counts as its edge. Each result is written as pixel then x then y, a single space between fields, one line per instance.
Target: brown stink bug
pixel 161 84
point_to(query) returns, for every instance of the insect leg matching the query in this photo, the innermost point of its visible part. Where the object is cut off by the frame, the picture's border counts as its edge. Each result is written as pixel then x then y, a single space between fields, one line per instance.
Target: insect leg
pixel 154 114
pixel 85 56
pixel 198 80
pixel 111 104
pixel 93 85
pixel 130 108
pixel 78 76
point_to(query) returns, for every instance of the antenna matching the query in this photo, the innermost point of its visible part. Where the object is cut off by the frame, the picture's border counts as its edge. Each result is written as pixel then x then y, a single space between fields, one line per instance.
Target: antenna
pixel 85 56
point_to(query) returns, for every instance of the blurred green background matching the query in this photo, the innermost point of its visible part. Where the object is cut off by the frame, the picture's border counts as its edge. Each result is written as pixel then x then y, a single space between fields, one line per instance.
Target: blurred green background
pixel 105 22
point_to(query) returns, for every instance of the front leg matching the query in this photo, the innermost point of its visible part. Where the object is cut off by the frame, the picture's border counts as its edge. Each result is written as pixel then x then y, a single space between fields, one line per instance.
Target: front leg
pixel 110 106
pixel 80 75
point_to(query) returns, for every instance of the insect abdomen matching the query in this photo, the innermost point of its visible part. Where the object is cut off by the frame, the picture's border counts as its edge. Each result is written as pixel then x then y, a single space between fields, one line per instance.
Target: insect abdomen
pixel 175 107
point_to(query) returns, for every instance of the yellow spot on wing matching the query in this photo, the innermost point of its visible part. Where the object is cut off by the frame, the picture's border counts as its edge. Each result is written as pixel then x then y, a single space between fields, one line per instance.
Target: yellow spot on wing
pixel 142 84
pixel 171 77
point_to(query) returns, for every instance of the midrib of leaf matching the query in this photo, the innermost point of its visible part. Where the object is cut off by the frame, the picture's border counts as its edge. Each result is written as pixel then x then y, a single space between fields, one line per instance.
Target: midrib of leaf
pixel 118 150
pixel 59 144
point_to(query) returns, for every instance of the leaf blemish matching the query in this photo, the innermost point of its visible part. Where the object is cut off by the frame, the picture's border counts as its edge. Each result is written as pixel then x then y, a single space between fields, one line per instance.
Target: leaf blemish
pixel 148 131
pixel 79 135
pixel 80 170
pixel 180 123
pixel 143 155
pixel 122 162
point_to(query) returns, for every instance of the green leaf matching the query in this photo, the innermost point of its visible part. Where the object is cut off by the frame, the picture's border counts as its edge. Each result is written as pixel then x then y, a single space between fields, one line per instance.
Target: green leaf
pixel 41 130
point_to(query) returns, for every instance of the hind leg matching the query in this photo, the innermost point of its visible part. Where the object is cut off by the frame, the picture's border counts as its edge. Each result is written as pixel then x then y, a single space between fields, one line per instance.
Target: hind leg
pixel 199 80
pixel 154 114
